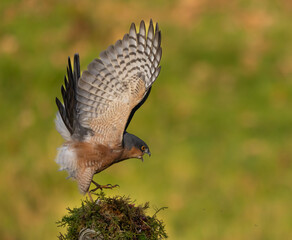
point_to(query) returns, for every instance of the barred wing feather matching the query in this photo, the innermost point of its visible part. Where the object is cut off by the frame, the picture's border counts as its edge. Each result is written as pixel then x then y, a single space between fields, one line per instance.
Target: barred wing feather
pixel 113 86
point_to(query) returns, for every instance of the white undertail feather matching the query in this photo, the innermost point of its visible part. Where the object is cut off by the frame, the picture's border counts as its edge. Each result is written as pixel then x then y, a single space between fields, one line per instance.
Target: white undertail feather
pixel 67 160
pixel 61 127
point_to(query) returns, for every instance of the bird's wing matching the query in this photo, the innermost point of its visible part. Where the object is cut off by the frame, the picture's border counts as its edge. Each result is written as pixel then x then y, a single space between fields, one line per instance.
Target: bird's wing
pixel 113 87
pixel 137 107
pixel 67 122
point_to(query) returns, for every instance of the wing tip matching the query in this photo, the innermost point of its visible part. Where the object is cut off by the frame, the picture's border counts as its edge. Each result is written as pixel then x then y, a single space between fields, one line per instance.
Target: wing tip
pixel 142 22
pixel 151 22
pixel 157 27
pixel 133 27
pixel 57 101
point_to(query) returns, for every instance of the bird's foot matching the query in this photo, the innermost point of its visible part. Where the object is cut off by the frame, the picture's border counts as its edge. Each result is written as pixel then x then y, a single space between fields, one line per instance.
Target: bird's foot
pixel 108 186
pixel 101 187
pixel 98 186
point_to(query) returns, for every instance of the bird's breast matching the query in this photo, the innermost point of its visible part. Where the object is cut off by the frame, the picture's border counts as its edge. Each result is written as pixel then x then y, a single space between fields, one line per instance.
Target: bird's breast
pixel 96 156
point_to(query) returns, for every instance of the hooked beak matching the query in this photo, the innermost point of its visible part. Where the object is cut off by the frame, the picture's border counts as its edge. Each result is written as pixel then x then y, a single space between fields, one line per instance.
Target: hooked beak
pixel 147 152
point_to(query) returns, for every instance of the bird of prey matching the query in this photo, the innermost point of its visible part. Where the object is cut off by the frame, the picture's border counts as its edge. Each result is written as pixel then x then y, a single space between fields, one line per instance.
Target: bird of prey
pixel 99 104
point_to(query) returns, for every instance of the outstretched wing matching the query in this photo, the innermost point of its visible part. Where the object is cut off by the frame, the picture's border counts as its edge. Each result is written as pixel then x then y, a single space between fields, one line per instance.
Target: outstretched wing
pixel 67 119
pixel 113 87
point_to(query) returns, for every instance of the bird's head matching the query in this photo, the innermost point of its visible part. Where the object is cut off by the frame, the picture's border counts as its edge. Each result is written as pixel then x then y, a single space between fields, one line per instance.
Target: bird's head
pixel 142 148
pixel 135 146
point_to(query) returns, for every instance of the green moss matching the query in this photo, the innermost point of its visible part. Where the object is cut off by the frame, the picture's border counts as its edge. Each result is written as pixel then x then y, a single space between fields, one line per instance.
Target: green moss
pixel 112 218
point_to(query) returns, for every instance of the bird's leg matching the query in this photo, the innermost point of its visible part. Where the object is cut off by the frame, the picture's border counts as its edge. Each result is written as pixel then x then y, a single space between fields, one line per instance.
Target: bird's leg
pixel 89 195
pixel 98 186
pixel 109 186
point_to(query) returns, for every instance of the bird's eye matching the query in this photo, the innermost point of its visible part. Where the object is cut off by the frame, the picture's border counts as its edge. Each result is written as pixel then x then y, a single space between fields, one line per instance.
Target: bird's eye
pixel 143 148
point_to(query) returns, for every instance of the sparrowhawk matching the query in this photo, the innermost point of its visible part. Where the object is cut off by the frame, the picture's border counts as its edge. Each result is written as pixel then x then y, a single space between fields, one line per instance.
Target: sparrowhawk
pixel 99 104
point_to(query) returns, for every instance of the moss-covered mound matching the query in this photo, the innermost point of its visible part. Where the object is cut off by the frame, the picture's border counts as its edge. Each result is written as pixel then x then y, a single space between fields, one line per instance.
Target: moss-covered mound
pixel 111 218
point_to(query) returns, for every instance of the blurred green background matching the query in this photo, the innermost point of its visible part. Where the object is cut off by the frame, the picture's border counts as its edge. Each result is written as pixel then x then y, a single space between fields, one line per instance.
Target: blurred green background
pixel 218 121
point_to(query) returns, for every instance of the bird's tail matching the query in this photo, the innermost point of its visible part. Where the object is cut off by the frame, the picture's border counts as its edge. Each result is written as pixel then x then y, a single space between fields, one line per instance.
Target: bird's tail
pixel 84 178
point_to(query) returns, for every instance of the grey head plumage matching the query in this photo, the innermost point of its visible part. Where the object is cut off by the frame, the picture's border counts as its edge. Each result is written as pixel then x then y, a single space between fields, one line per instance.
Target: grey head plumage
pixel 130 141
